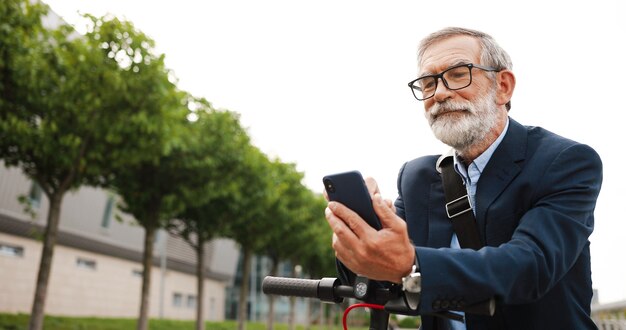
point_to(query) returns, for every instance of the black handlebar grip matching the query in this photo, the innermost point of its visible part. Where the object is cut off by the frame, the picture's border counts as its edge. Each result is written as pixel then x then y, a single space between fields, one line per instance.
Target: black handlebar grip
pixel 284 286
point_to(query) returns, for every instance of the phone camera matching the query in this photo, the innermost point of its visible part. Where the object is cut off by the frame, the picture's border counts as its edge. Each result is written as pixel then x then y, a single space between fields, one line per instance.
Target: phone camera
pixel 330 187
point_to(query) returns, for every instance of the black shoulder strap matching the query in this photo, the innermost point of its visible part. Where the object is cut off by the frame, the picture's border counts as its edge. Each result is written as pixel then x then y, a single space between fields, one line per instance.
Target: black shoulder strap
pixel 459 211
pixel 459 207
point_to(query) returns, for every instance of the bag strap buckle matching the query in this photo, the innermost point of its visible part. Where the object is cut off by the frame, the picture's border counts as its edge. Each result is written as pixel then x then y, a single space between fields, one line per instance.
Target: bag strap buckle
pixel 458 206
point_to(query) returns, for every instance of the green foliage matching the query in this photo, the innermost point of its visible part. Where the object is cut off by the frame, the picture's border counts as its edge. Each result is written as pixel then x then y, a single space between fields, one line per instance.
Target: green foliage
pixel 288 212
pixel 68 109
pixel 410 322
pixel 27 206
pixel 155 122
pixel 19 22
pixel 210 184
pixel 103 110
pixel 74 110
pixel 192 175
pixel 274 213
pixel 320 259
pixel 249 207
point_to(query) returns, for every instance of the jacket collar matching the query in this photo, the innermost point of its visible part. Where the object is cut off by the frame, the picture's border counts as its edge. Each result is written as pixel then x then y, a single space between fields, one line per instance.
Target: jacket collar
pixel 502 168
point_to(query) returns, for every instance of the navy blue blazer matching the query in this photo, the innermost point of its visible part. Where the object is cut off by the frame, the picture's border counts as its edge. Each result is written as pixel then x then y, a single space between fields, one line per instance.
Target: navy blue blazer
pixel 534 210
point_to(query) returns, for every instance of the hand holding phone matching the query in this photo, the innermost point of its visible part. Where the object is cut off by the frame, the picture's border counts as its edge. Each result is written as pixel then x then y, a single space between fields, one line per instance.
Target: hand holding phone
pixel 349 189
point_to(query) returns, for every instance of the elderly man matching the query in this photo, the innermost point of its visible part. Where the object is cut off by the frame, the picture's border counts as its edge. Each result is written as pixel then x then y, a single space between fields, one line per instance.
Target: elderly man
pixel 532 194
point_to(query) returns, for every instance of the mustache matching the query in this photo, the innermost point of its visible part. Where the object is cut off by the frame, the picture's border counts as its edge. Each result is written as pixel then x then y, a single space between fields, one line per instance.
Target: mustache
pixel 450 106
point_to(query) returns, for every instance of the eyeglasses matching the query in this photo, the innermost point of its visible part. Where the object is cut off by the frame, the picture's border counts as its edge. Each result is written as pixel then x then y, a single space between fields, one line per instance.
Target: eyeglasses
pixel 454 78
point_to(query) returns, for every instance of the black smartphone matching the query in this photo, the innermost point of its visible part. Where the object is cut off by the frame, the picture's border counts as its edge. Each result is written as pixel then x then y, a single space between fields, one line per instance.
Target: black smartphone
pixel 349 189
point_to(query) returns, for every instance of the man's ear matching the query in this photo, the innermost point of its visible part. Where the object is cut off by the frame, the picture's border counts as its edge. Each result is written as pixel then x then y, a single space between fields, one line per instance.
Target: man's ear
pixel 506 85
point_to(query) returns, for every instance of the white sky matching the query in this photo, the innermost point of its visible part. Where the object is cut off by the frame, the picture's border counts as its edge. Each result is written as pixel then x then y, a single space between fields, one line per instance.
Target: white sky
pixel 324 83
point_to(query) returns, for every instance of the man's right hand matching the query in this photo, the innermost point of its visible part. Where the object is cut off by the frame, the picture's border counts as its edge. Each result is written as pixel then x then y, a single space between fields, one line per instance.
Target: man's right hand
pixel 385 255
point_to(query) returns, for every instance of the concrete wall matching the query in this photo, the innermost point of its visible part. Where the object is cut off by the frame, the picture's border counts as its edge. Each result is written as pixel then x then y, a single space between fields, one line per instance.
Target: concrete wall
pixel 110 289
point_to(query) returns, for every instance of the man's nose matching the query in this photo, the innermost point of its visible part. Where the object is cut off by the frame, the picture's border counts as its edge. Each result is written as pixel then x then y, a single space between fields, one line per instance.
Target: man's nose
pixel 442 92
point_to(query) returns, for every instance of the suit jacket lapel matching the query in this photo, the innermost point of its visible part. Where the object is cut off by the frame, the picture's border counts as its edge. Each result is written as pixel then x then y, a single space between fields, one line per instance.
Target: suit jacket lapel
pixel 502 168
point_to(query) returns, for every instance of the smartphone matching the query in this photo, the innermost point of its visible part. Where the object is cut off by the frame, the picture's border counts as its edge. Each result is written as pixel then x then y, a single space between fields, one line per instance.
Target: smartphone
pixel 349 189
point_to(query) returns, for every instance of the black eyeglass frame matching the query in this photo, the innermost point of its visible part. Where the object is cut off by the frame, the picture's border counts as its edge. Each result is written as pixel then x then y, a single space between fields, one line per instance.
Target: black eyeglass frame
pixel 438 76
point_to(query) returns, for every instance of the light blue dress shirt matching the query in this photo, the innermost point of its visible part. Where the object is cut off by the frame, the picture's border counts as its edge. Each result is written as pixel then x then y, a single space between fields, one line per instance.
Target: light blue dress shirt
pixel 470 176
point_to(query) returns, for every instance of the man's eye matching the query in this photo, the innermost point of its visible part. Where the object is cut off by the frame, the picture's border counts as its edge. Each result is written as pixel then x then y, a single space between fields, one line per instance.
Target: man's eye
pixel 457 74
pixel 429 84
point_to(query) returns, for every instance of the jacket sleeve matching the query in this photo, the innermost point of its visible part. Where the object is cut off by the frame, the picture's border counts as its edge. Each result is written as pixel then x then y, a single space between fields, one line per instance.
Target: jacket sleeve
pixel 399 202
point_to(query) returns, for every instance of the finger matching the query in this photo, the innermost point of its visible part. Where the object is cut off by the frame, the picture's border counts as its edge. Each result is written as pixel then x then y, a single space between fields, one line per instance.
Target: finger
pixel 385 212
pixel 341 230
pixel 343 251
pixel 372 186
pixel 353 221
pixel 389 203
pixel 336 244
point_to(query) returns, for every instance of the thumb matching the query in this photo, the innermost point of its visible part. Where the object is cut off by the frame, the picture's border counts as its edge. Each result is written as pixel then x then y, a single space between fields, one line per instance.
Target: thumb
pixel 386 214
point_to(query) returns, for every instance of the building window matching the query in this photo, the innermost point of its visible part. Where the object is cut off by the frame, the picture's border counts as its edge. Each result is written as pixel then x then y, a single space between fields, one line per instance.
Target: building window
pixel 108 211
pixel 86 263
pixel 191 301
pixel 11 250
pixel 178 299
pixel 34 195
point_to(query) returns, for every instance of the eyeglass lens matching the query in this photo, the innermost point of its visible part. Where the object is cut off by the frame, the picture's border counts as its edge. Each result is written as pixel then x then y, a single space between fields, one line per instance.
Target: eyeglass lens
pixel 453 78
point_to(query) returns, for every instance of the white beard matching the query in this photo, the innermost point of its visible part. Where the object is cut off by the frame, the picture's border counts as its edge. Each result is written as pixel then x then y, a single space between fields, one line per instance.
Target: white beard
pixel 461 131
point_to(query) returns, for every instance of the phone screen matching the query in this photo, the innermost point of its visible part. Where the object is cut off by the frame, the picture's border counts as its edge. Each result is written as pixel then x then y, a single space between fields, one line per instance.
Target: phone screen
pixel 349 189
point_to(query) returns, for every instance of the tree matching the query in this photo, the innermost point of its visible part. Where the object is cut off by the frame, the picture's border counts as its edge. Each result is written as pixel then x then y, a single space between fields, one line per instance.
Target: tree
pixel 292 236
pixel 319 259
pixel 251 218
pixel 289 209
pixel 149 193
pixel 154 99
pixel 217 147
pixel 70 112
pixel 315 256
pixel 194 168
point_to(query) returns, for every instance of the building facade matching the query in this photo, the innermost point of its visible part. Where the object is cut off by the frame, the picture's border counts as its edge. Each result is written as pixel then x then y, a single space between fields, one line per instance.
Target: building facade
pixel 611 316
pixel 96 269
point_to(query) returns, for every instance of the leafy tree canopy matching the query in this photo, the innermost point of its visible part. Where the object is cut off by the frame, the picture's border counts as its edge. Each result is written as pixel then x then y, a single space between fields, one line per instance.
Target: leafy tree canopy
pixel 71 113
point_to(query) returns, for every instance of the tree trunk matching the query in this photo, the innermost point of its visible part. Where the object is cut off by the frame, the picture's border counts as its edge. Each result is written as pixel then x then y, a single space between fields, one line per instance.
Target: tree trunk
pixel 270 313
pixel 292 305
pixel 332 309
pixel 200 279
pixel 148 250
pixel 243 293
pixel 322 318
pixel 309 307
pixel 45 263
pixel 270 298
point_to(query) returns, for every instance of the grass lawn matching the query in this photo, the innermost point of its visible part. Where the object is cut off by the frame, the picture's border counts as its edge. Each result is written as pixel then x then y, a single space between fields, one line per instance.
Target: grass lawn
pixel 20 322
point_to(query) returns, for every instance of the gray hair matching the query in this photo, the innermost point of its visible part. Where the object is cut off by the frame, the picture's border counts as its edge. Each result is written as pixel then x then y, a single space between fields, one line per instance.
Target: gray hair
pixel 491 53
